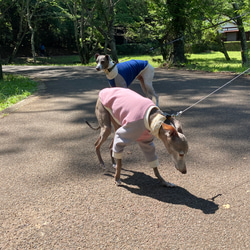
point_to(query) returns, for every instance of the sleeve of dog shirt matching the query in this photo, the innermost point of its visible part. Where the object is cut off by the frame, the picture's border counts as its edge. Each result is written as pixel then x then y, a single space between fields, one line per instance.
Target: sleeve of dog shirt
pixel 121 140
pixel 148 148
pixel 124 136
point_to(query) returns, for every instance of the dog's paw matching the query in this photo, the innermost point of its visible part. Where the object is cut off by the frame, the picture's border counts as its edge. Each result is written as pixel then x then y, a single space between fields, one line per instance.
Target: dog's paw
pixel 168 184
pixel 118 183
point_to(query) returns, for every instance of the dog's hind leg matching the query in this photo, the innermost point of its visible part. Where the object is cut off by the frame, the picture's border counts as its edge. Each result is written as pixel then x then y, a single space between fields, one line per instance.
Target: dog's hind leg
pixel 144 89
pixel 146 79
pixel 148 90
pixel 104 121
pixel 151 92
pixel 104 134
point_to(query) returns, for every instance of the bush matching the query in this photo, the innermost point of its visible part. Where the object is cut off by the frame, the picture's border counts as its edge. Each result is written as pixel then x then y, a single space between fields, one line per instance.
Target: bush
pixel 235 45
pixel 198 48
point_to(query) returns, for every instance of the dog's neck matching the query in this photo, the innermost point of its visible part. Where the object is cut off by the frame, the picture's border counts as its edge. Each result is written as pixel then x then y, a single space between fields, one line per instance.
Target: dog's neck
pixel 111 71
pixel 153 120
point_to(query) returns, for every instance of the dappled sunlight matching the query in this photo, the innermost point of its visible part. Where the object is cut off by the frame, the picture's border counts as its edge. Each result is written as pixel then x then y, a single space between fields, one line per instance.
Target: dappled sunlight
pixel 216 128
pixel 50 176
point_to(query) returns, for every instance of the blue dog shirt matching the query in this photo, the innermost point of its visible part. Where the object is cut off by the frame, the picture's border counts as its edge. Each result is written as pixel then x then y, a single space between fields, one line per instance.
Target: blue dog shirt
pixel 129 71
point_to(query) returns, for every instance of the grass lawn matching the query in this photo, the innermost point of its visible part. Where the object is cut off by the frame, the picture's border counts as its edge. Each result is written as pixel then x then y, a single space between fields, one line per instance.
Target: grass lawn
pixel 216 62
pixel 15 88
pixel 212 61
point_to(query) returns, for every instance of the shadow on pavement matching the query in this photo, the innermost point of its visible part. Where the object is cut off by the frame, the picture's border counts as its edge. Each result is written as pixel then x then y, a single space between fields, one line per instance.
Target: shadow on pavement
pixel 150 187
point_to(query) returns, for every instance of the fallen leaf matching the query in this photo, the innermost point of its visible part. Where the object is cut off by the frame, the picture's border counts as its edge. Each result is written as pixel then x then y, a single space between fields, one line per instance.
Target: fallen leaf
pixel 226 206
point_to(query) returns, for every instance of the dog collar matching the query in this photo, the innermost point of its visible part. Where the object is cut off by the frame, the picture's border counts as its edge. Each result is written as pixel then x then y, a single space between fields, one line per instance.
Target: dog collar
pixel 111 72
pixel 110 69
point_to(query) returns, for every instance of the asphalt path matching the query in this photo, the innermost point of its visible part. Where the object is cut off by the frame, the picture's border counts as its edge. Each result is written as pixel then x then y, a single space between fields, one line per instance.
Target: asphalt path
pixel 55 196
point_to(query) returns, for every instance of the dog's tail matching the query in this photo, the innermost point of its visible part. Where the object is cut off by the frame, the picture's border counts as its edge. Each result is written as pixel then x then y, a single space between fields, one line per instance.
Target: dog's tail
pixel 92 126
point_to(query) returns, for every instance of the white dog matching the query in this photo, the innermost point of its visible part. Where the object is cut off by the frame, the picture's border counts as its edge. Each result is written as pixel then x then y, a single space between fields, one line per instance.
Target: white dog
pixel 123 74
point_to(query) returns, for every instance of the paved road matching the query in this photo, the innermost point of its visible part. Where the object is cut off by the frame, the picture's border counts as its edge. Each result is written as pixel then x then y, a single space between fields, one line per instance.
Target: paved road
pixel 54 195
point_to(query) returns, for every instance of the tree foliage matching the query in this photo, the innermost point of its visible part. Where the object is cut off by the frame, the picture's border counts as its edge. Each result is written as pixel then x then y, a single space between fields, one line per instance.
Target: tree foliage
pixel 88 26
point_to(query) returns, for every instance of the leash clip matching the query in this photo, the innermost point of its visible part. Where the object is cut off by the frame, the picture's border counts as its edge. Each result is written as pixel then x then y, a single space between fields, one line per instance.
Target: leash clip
pixel 177 114
pixel 172 115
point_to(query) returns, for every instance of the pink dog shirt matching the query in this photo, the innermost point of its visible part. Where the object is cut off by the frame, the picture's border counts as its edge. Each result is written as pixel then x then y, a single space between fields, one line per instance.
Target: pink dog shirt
pixel 128 109
pixel 124 105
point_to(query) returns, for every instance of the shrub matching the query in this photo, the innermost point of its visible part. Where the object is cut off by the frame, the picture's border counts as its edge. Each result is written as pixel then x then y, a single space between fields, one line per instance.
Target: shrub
pixel 235 45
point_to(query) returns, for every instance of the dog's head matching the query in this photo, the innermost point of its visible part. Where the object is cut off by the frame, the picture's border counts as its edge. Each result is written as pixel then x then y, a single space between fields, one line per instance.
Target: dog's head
pixel 102 61
pixel 176 145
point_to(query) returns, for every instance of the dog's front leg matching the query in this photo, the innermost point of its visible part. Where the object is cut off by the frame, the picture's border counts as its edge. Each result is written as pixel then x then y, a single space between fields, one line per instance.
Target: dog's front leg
pixel 118 172
pixel 163 182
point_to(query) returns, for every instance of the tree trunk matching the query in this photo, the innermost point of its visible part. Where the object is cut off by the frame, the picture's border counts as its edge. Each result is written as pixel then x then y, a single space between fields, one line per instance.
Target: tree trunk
pixel 1 72
pixel 113 49
pixel 29 17
pixel 33 45
pixel 163 51
pixel 111 34
pixel 21 32
pixel 177 11
pixel 106 45
pixel 17 45
pixel 179 52
pixel 243 40
pixel 222 47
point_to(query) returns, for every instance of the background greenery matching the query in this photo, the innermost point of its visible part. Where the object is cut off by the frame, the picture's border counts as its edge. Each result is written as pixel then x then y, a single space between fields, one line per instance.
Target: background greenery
pixel 169 28
pixel 168 33
pixel 14 88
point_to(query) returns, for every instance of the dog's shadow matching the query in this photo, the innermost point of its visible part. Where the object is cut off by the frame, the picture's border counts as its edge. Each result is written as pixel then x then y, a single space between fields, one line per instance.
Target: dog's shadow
pixel 148 186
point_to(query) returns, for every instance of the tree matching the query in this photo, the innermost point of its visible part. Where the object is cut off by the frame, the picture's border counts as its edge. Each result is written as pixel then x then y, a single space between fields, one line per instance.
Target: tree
pixel 86 38
pixel 160 28
pixel 213 16
pixel 104 23
pixel 30 11
pixel 21 10
pixel 177 10
pixel 242 35
pixel 1 72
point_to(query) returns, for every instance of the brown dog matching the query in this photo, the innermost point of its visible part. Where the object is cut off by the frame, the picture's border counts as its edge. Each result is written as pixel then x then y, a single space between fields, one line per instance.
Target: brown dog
pixel 136 118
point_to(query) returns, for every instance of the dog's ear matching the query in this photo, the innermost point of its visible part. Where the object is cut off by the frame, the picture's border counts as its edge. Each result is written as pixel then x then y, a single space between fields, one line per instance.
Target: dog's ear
pixel 169 130
pixel 107 57
pixel 96 55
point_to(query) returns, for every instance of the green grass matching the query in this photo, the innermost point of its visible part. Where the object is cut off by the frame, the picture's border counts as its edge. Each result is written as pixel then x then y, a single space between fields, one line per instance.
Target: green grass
pixel 14 89
pixel 216 62
pixel 74 60
pixel 211 61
